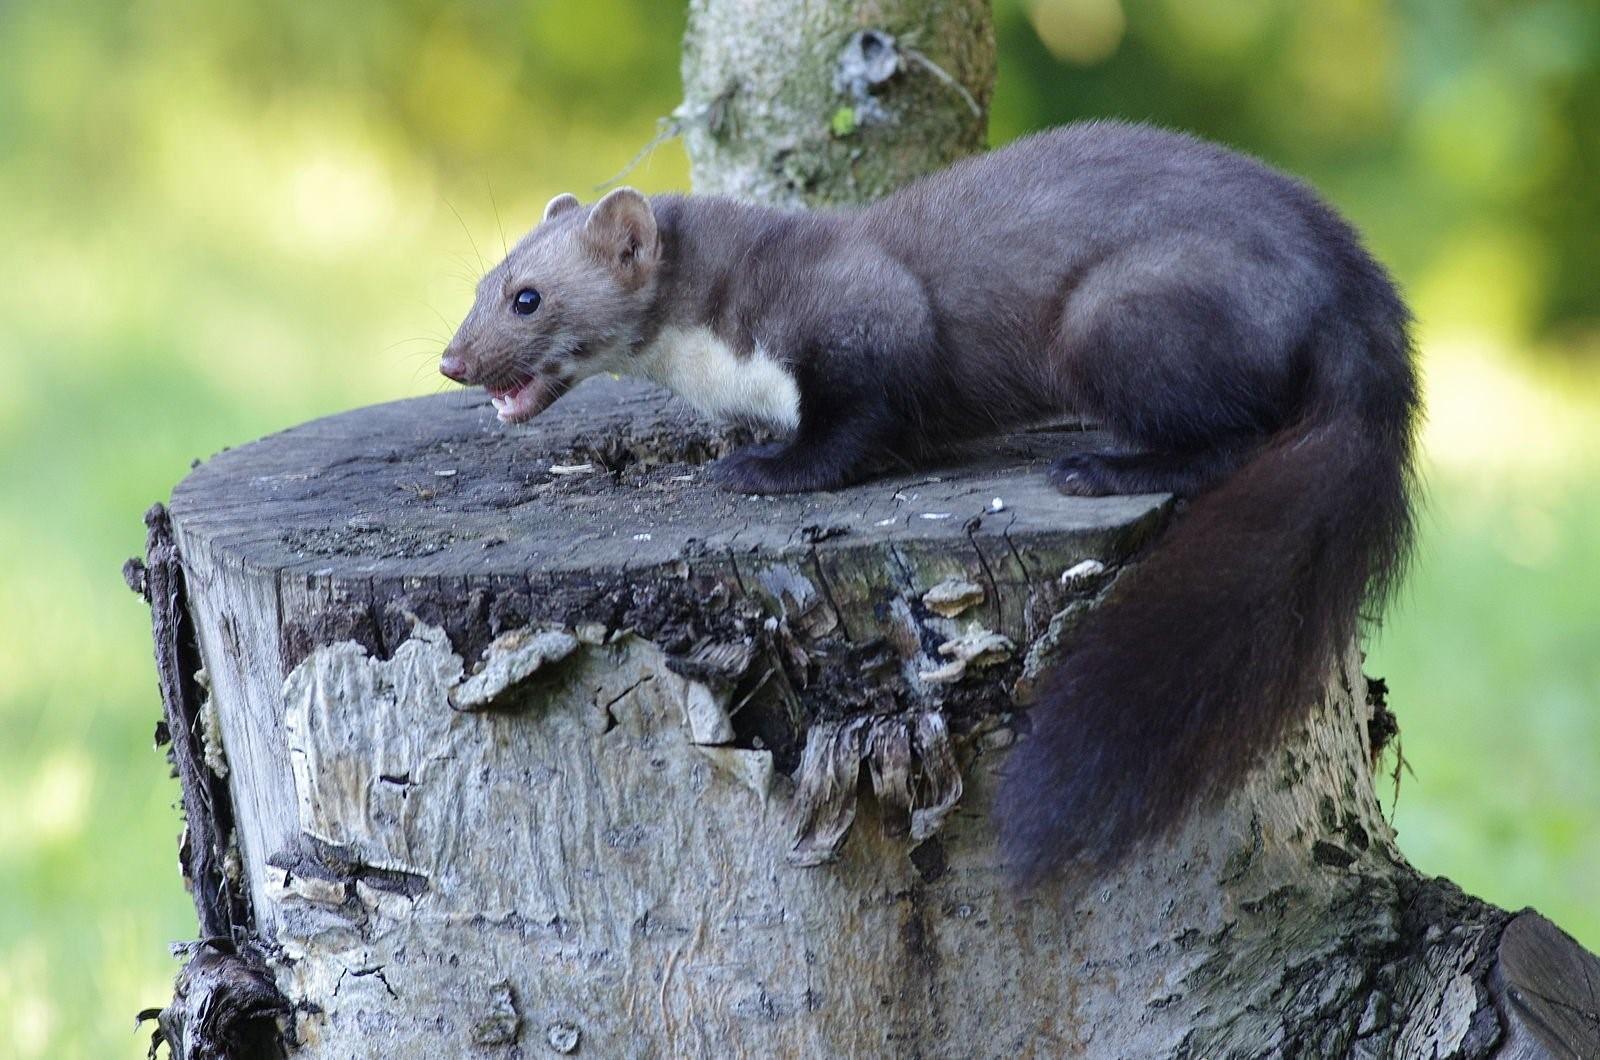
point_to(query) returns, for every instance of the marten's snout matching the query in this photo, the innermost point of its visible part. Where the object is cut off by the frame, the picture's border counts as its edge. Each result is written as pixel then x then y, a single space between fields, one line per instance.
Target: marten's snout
pixel 454 366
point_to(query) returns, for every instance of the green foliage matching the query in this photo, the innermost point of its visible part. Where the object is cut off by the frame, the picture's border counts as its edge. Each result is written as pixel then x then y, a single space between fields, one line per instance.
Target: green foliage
pixel 217 220
pixel 1495 679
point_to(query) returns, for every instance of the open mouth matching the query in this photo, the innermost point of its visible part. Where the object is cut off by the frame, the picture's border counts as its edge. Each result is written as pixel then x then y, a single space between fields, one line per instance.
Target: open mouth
pixel 524 396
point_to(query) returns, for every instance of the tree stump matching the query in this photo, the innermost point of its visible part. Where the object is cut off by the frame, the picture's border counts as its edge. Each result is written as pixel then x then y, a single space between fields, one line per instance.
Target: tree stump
pixel 533 742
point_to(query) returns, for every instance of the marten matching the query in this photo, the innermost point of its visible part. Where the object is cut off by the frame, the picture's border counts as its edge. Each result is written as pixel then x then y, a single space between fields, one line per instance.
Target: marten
pixel 1221 322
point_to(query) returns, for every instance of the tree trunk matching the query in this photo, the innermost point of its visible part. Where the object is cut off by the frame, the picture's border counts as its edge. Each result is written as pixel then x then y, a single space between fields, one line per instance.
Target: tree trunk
pixel 816 102
pixel 515 743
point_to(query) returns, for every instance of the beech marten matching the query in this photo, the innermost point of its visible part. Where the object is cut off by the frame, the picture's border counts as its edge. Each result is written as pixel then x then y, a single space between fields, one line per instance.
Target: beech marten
pixel 1220 321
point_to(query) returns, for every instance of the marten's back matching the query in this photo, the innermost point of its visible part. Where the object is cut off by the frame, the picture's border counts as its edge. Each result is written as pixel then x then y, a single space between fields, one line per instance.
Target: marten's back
pixel 1003 242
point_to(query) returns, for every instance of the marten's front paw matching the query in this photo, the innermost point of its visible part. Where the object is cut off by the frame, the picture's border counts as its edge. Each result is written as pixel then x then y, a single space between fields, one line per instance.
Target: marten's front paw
pixel 774 468
pixel 756 469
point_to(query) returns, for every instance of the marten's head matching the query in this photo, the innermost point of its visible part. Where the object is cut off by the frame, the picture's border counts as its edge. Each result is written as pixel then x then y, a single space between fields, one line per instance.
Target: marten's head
pixel 569 301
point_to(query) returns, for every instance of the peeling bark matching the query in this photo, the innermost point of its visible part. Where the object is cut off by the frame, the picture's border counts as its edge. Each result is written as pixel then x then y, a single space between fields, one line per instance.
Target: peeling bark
pixel 224 1003
pixel 208 810
pixel 225 1006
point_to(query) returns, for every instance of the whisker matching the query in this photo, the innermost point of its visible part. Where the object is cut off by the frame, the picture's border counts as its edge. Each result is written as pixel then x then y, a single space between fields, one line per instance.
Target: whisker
pixel 420 365
pixel 505 251
pixel 415 338
pixel 464 271
pixel 481 266
pixel 449 328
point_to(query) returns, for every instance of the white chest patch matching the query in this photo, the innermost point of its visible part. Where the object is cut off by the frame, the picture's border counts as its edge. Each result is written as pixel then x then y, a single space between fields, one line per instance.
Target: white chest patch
pixel 705 372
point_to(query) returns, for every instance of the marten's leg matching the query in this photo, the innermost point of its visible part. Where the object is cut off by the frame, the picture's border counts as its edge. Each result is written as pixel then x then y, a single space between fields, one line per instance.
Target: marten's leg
pixel 846 425
pixel 855 375
pixel 811 460
pixel 1180 369
pixel 1099 472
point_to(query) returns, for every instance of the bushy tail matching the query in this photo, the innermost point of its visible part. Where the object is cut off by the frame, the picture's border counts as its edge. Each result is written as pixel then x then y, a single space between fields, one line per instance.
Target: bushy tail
pixel 1222 636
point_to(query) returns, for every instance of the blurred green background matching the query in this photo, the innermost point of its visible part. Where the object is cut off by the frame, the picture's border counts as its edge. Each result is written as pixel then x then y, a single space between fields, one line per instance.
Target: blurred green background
pixel 217 220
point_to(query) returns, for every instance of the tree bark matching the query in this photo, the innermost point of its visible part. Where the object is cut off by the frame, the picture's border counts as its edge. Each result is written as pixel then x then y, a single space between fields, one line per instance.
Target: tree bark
pixel 820 102
pixel 514 743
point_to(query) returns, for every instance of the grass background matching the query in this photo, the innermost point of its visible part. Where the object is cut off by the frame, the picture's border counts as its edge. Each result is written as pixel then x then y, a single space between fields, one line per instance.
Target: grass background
pixel 218 220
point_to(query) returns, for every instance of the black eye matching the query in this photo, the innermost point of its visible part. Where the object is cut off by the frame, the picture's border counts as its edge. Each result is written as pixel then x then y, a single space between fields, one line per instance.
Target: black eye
pixel 525 302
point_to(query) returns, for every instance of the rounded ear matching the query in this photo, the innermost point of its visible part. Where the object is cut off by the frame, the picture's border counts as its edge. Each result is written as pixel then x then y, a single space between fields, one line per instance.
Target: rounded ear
pixel 560 205
pixel 622 229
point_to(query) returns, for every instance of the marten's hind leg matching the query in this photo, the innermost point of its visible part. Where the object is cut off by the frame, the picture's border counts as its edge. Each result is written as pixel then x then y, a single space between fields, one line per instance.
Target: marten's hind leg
pixel 1101 472
pixel 1189 369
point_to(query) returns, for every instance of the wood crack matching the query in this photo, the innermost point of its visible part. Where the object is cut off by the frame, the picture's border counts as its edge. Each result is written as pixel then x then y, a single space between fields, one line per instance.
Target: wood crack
pixel 827 594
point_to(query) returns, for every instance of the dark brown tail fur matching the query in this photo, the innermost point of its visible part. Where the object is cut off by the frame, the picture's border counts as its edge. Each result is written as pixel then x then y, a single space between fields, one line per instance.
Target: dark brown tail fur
pixel 1222 636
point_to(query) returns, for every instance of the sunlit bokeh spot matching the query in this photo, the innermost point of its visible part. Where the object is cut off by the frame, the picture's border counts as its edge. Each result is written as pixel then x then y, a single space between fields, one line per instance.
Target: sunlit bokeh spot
pixel 1079 31
pixel 1342 56
pixel 57 799
pixel 1219 31
pixel 339 202
pixel 30 1017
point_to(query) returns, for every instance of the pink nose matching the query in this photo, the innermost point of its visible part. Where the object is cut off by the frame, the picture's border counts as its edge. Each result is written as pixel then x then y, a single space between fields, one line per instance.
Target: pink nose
pixel 454 366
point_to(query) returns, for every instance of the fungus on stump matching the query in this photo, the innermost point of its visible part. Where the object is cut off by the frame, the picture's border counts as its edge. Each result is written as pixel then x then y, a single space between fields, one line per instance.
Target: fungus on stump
pixel 530 742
